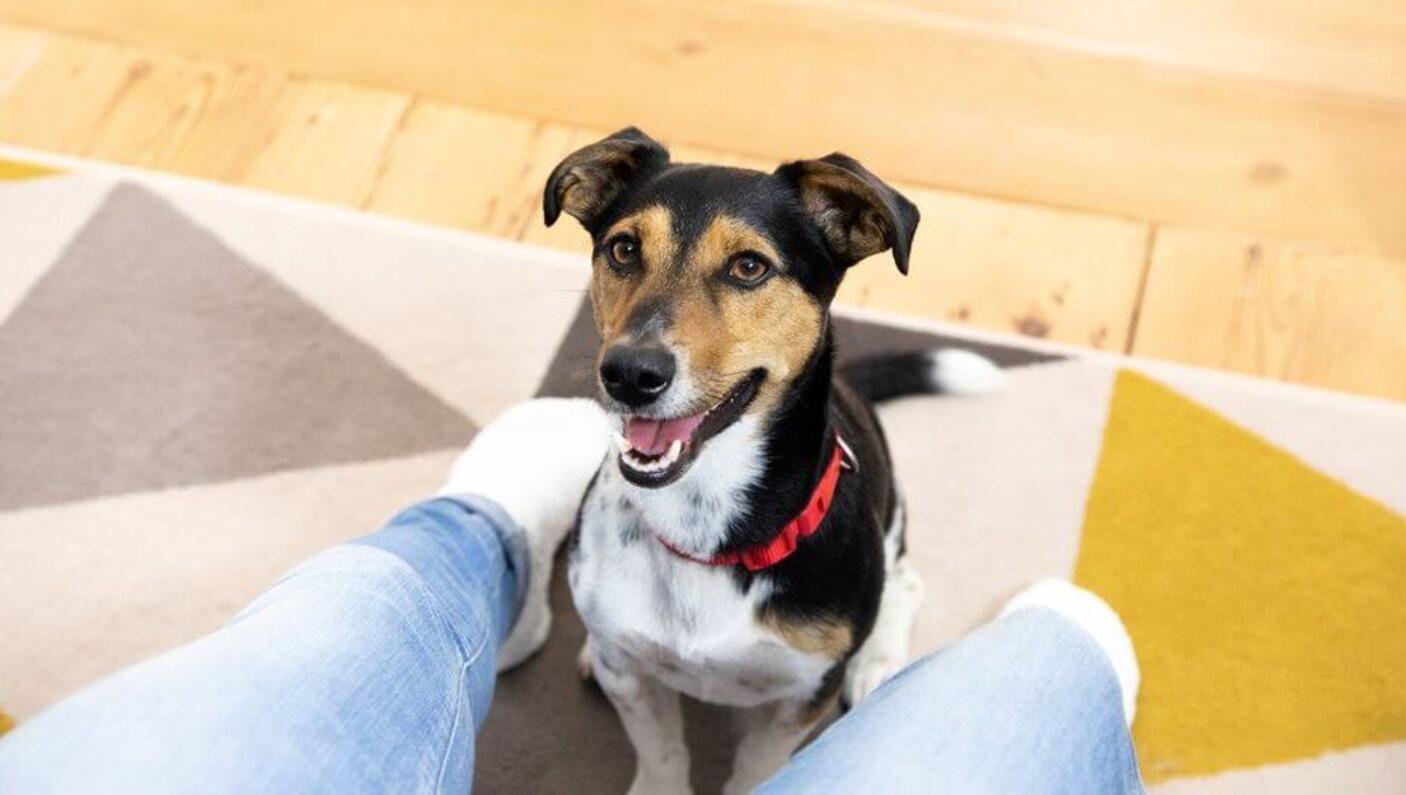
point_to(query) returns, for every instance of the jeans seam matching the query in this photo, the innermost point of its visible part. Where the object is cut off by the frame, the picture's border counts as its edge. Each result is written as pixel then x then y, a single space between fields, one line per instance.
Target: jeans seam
pixel 460 694
pixel 488 619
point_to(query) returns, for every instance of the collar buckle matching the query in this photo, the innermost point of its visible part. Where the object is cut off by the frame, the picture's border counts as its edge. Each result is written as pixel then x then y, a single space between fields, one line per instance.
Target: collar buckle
pixel 848 460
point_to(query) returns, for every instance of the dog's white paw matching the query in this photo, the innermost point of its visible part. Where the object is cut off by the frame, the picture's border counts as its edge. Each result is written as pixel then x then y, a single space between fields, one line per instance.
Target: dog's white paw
pixel 645 784
pixel 583 662
pixel 528 634
pixel 864 677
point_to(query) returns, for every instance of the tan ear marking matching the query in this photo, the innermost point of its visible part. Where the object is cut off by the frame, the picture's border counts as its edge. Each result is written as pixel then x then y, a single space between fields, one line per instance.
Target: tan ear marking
pixel 858 214
pixel 589 179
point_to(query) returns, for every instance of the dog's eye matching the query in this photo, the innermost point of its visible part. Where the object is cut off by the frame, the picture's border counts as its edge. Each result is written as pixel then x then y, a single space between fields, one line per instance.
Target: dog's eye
pixel 748 269
pixel 624 252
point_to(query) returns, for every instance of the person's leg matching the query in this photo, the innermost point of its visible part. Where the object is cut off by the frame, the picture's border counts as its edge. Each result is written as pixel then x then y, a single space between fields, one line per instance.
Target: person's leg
pixel 1038 701
pixel 366 669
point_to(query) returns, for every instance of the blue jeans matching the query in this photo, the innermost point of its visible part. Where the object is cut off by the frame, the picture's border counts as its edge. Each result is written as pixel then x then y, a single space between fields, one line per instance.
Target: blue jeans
pixel 370 667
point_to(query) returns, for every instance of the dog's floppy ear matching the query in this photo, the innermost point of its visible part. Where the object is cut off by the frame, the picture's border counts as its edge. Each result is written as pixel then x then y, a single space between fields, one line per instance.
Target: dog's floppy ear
pixel 858 214
pixel 589 179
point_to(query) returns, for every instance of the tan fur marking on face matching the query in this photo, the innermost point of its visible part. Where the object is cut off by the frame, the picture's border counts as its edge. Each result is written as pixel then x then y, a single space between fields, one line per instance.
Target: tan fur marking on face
pixel 773 326
pixel 613 297
pixel 826 637
pixel 727 236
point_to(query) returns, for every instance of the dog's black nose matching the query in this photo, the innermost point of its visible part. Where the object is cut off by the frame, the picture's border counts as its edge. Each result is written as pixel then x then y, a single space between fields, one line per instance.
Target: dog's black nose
pixel 636 374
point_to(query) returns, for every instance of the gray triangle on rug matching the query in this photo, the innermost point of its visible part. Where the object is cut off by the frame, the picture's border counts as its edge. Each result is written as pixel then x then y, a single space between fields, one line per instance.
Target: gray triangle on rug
pixel 151 355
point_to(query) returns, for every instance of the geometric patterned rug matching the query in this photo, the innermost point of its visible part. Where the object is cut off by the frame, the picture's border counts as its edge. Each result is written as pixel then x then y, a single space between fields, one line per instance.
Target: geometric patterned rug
pixel 200 386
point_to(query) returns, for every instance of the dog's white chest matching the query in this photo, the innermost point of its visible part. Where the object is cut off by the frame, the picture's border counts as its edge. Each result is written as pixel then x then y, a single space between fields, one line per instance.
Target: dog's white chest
pixel 686 624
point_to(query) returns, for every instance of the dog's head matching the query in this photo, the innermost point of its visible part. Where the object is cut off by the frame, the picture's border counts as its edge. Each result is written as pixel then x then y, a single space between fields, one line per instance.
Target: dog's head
pixel 711 285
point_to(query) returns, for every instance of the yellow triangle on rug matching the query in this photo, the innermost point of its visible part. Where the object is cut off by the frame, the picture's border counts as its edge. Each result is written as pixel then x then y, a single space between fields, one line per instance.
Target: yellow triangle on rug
pixel 13 170
pixel 1263 597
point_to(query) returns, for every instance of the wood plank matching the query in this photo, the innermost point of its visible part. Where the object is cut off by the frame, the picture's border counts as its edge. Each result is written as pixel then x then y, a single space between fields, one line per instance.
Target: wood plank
pixel 1353 48
pixel 86 75
pixel 1036 271
pixel 191 117
pixel 914 96
pixel 325 141
pixel 473 169
pixel 1323 314
pixel 235 124
pixel 19 50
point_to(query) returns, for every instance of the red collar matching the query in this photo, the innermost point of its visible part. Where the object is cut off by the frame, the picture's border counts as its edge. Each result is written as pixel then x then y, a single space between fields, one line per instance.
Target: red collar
pixel 784 542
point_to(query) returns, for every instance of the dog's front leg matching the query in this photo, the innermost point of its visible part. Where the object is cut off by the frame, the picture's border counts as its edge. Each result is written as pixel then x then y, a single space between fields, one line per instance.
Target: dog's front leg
pixel 653 719
pixel 771 733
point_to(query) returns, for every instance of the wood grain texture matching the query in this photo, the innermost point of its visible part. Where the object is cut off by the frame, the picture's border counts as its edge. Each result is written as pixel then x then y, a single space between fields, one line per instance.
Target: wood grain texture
pixel 928 97
pixel 193 117
pixel 325 141
pixel 1356 48
pixel 1315 313
pixel 206 119
pixel 472 169
pixel 87 75
pixel 19 50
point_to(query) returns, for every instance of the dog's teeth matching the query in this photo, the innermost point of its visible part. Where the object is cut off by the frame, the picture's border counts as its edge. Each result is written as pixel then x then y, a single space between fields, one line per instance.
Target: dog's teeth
pixel 635 461
pixel 675 448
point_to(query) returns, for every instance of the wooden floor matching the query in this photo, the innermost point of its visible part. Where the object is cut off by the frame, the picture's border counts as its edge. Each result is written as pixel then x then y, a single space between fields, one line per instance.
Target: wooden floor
pixel 1186 180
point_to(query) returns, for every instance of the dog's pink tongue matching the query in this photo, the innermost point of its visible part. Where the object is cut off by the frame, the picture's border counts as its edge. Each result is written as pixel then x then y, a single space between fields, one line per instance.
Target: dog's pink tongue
pixel 653 437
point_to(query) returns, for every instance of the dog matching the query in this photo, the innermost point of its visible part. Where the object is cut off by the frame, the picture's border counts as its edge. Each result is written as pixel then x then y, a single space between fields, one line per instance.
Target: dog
pixel 744 544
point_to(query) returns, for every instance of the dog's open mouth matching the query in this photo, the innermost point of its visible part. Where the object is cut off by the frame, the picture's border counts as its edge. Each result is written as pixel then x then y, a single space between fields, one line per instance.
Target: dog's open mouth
pixel 655 452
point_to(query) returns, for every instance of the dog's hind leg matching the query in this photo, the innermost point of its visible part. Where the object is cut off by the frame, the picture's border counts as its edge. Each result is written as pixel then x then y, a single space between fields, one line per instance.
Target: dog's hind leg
pixel 771 732
pixel 886 649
